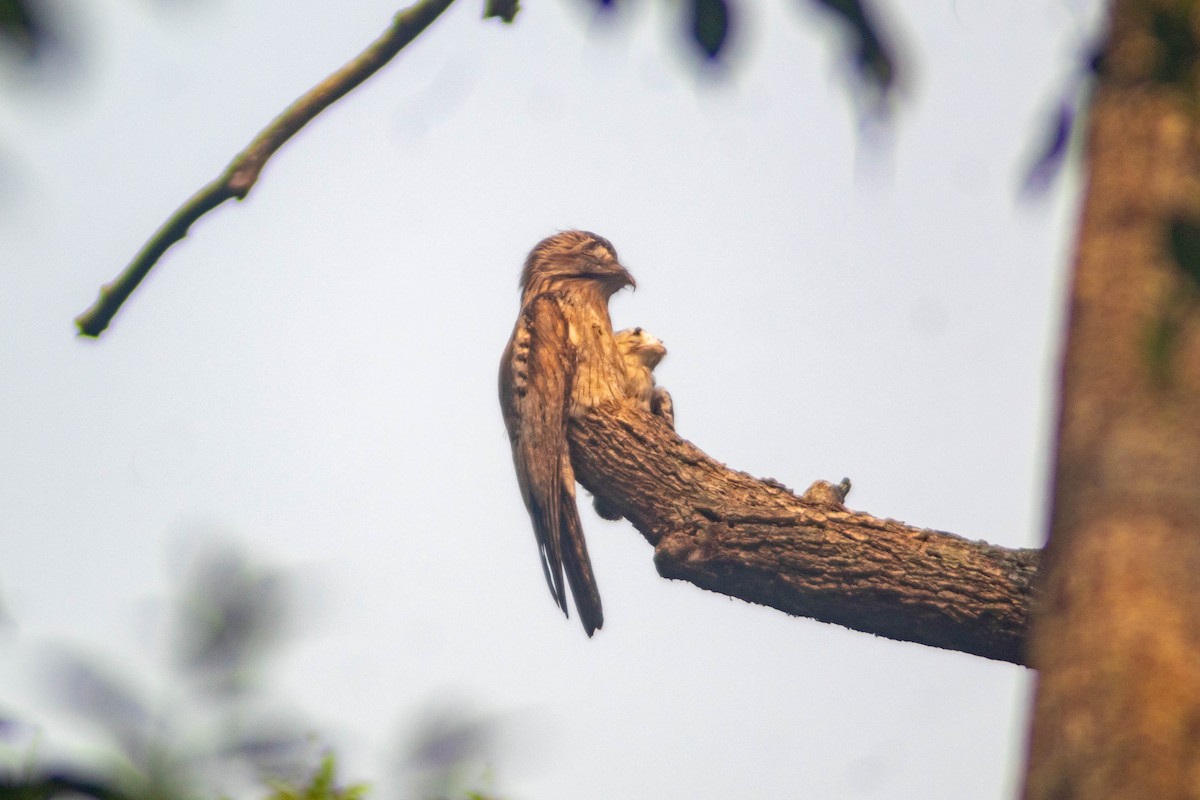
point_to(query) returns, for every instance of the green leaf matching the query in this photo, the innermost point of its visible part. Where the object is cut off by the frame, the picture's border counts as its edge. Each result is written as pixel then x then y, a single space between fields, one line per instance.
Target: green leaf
pixel 506 10
pixel 323 786
pixel 710 26
pixel 1183 236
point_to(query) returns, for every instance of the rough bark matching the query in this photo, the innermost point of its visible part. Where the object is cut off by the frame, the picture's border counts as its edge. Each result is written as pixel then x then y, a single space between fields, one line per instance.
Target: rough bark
pixel 807 556
pixel 1117 634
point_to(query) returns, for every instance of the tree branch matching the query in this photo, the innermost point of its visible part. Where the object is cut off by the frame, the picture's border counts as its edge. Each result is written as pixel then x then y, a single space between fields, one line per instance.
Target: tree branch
pixel 242 173
pixel 807 556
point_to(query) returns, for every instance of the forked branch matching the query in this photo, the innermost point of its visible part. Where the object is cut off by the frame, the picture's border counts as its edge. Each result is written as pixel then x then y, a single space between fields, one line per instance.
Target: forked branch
pixel 242 173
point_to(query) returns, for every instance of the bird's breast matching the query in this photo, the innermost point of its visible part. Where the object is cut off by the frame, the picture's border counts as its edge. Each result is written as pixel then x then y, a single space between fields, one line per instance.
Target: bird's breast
pixel 599 367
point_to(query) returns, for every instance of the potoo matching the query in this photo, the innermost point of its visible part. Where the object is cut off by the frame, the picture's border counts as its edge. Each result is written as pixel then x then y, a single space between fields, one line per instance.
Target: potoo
pixel 642 351
pixel 561 361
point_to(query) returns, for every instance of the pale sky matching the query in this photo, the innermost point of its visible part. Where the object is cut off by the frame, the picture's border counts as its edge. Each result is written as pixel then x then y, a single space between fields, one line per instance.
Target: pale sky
pixel 312 373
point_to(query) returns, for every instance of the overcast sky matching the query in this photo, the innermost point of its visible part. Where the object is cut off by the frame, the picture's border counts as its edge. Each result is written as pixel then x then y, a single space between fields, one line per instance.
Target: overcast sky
pixel 312 373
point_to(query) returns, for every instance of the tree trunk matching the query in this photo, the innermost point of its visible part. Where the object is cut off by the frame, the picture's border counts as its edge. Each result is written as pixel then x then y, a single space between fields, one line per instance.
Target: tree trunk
pixel 1116 634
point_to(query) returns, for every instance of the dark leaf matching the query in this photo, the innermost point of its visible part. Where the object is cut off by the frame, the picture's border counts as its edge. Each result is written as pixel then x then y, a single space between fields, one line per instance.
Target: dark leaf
pixel 277 750
pixel 872 54
pixel 12 728
pixel 230 616
pixel 19 28
pixel 450 753
pixel 1094 59
pixel 710 26
pixel 1049 161
pixel 97 695
pixel 1183 242
pixel 449 738
pixel 504 9
pixel 36 32
pixel 1184 238
pixel 1177 46
pixel 59 783
pixel 1162 343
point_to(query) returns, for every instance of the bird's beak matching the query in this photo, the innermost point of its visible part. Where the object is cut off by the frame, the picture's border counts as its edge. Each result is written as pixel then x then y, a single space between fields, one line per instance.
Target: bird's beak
pixel 616 279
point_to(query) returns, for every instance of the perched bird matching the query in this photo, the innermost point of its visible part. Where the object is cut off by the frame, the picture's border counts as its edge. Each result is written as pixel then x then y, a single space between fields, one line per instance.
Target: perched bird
pixel 561 361
pixel 642 351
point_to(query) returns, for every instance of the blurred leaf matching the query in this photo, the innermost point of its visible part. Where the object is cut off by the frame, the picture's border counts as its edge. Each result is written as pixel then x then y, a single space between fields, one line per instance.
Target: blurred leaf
pixel 6 620
pixel 1183 236
pixel 20 28
pixel 58 783
pixel 872 54
pixel 1161 343
pixel 504 9
pixel 95 694
pixel 710 26
pixel 445 742
pixel 1177 50
pixel 451 750
pixel 322 786
pixel 189 743
pixel 1053 153
pixel 1183 243
pixel 230 615
pixel 13 728
pixel 280 751
pixel 265 746
pixel 1093 60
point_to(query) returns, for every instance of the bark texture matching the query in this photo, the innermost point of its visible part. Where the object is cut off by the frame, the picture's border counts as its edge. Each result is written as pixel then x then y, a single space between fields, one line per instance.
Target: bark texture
pixel 807 556
pixel 1117 634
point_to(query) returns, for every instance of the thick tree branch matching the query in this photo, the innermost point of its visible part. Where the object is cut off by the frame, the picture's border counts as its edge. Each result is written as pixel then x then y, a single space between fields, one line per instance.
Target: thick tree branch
pixel 242 173
pixel 731 533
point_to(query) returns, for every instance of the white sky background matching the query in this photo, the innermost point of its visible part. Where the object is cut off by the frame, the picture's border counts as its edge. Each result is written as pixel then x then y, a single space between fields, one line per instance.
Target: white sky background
pixel 313 372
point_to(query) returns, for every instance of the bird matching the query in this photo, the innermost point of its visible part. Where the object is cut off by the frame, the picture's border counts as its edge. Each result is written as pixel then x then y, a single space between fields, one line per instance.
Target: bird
pixel 561 361
pixel 642 352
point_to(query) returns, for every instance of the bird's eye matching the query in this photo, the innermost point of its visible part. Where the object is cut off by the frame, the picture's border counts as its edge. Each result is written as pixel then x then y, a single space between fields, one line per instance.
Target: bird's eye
pixel 637 331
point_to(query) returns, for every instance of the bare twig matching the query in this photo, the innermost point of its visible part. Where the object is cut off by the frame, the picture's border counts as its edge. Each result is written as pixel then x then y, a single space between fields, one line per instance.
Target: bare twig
pixel 242 173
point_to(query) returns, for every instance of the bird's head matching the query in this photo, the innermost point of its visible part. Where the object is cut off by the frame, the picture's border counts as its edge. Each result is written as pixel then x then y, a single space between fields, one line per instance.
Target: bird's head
pixel 641 345
pixel 574 256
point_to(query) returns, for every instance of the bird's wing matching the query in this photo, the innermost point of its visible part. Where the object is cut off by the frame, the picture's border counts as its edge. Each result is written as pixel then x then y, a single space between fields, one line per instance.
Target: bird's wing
pixel 535 396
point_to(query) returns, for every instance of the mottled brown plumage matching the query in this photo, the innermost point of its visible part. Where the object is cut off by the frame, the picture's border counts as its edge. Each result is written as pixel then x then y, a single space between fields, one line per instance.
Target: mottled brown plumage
pixel 562 360
pixel 642 351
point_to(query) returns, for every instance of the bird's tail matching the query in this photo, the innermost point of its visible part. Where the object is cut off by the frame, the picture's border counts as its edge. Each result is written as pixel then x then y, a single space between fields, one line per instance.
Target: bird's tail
pixel 579 567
